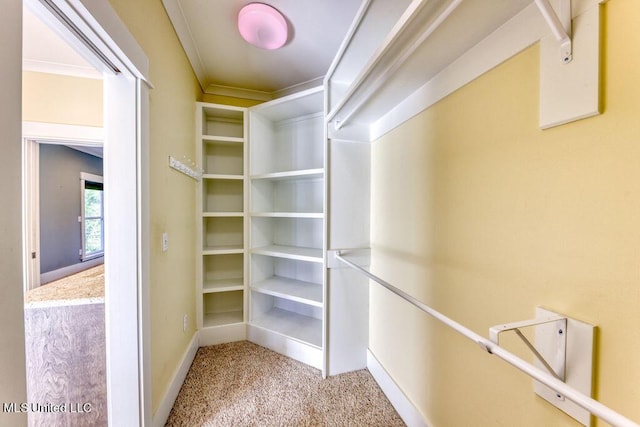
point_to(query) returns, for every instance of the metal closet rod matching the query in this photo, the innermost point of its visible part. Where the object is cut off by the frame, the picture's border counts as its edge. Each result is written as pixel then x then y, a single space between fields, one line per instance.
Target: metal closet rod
pixel 596 408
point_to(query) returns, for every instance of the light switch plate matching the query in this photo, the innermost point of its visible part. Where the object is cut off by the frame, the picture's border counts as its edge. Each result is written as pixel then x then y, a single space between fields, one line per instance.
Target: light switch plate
pixel 165 242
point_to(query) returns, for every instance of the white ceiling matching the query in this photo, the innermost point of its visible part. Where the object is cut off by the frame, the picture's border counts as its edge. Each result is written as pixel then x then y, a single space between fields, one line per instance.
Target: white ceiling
pixel 45 51
pixel 221 58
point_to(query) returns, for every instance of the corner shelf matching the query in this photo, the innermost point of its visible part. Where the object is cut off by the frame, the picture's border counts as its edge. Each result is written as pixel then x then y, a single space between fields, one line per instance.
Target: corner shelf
pixel 222 319
pixel 221 273
pixel 287 226
pixel 222 176
pixel 291 252
pixel 299 327
pixel 222 214
pixel 291 289
pixel 312 215
pixel 317 173
pixel 223 285
pixel 222 139
pixel 222 250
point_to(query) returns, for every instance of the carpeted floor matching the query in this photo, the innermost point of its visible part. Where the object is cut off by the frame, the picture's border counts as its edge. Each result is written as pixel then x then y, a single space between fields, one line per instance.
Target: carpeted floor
pixel 243 384
pixel 88 284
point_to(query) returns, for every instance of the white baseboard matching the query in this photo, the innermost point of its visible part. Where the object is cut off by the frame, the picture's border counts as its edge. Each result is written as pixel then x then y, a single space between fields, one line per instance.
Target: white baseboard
pixel 50 276
pixel 222 334
pixel 286 346
pixel 405 408
pixel 162 413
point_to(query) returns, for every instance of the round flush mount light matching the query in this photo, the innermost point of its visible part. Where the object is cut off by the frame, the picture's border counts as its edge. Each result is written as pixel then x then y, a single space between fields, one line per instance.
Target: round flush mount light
pixel 262 26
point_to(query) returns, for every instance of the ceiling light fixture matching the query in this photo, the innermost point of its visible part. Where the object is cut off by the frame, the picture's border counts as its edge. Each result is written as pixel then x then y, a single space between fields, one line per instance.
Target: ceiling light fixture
pixel 263 26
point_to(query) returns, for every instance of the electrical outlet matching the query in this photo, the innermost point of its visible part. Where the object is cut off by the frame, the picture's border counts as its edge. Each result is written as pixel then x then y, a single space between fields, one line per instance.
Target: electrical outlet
pixel 165 242
pixel 185 323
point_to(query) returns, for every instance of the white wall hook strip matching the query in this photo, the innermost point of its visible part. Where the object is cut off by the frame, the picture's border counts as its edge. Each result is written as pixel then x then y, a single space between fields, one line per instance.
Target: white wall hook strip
pixel 181 167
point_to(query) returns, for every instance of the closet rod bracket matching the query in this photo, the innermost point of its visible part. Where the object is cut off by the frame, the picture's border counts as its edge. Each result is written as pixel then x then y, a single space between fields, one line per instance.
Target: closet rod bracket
pixel 560 24
pixel 554 359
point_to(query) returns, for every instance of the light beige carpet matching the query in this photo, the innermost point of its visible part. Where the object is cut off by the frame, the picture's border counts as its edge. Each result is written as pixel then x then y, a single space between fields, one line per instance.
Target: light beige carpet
pixel 86 284
pixel 243 384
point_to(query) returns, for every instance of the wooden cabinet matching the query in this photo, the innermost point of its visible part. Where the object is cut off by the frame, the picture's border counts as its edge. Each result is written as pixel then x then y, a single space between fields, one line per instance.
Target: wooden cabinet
pixel 287 226
pixel 221 263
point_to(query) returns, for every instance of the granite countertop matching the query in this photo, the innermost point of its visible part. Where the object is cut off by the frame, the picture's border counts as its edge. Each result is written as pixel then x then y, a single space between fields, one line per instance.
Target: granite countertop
pixel 86 287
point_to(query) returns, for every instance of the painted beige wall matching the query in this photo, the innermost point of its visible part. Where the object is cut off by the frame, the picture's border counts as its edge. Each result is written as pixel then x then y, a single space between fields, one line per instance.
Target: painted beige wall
pixel 172 195
pixel 228 100
pixel 479 213
pixel 12 365
pixel 53 98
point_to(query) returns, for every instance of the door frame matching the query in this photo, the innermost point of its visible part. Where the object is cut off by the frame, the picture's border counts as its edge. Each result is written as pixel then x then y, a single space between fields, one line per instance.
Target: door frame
pixel 34 134
pixel 96 31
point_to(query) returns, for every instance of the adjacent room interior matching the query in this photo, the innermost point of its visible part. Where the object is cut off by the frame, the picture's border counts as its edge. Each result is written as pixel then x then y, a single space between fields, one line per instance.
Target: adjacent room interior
pixel 64 212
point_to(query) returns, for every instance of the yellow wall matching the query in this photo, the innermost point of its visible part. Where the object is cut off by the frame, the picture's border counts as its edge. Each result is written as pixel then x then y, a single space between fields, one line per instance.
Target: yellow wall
pixel 228 100
pixel 172 194
pixel 478 212
pixel 53 98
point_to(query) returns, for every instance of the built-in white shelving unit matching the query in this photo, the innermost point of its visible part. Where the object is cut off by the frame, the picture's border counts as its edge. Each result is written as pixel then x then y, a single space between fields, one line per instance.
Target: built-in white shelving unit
pixel 221 263
pixel 287 225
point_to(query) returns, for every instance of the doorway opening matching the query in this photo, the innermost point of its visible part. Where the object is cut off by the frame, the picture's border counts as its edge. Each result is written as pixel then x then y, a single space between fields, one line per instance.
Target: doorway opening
pixel 65 343
pixel 117 227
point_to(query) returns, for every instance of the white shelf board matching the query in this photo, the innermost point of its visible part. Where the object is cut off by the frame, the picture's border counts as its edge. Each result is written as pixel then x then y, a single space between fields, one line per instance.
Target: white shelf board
pixel 299 104
pixel 318 215
pixel 222 176
pixel 220 319
pixel 222 214
pixel 317 173
pixel 223 139
pixel 303 328
pixel 291 252
pixel 223 285
pixel 418 46
pixel 290 289
pixel 222 250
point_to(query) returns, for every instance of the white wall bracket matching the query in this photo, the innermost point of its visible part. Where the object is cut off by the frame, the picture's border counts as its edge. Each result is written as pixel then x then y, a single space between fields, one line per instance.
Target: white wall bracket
pixel 571 91
pixel 560 24
pixel 564 347
pixel 558 334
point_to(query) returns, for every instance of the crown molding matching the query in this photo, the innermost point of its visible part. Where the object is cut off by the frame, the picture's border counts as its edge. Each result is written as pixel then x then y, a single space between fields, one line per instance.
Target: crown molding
pixel 61 69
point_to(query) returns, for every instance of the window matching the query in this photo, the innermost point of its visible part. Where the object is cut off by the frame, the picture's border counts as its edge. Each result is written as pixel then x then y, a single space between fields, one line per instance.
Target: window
pixel 92 219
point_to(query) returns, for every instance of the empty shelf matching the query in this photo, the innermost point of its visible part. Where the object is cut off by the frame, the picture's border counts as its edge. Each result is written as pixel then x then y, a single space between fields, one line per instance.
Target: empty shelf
pixel 303 328
pixel 222 214
pixel 220 319
pixel 227 139
pixel 290 289
pixel 221 176
pixel 291 252
pixel 295 174
pixel 318 215
pixel 223 285
pixel 219 250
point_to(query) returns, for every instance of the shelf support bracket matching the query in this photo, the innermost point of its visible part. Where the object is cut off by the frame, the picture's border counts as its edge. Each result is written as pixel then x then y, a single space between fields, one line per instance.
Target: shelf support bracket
pixel 557 366
pixel 560 24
